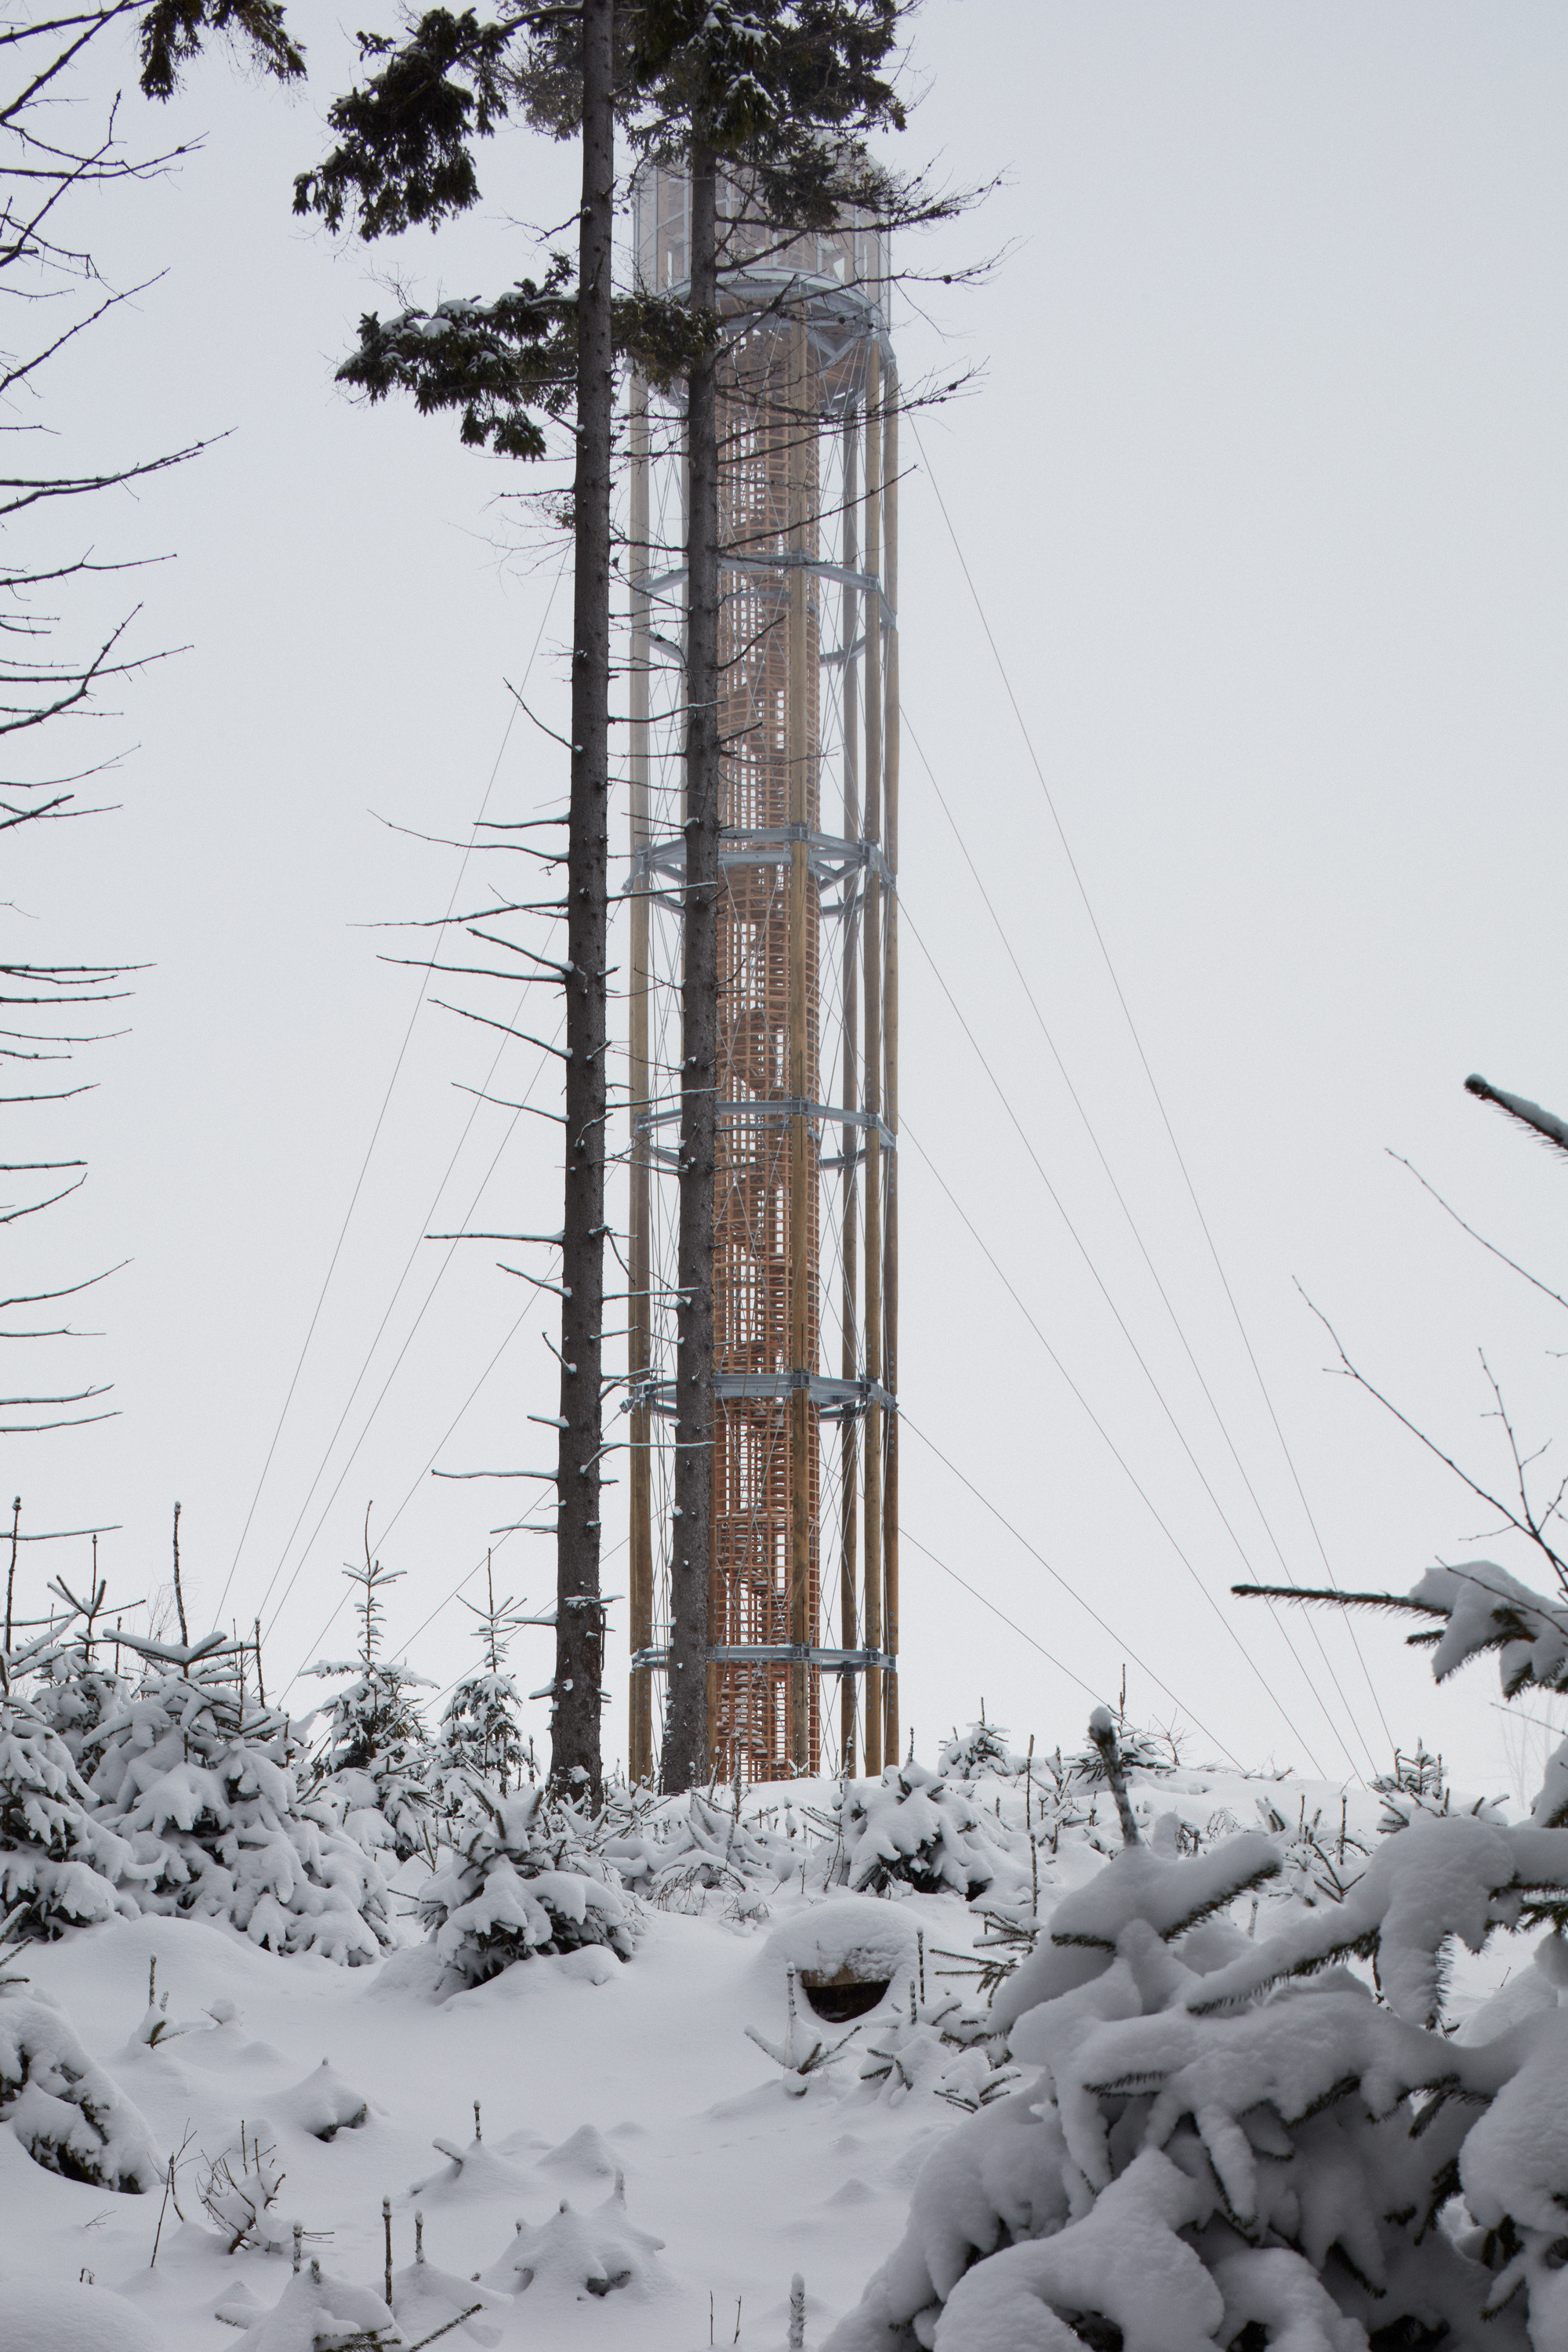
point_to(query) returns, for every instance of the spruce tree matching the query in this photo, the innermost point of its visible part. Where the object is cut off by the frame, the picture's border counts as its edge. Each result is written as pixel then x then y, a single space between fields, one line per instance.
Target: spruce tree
pixel 405 155
pixel 370 1776
pixel 481 1727
pixel 61 1864
pixel 203 1788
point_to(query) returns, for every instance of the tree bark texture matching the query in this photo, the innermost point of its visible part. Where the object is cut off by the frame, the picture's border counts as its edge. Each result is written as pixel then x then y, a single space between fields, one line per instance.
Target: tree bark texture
pixel 575 1767
pixel 686 1733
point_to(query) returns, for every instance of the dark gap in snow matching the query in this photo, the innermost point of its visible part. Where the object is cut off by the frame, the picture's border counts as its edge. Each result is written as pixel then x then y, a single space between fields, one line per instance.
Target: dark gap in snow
pixel 837 1999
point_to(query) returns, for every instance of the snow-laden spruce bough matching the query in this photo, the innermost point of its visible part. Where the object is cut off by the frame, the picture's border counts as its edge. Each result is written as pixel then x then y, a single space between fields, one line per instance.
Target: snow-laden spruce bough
pixel 1210 2100
pixel 1233 2138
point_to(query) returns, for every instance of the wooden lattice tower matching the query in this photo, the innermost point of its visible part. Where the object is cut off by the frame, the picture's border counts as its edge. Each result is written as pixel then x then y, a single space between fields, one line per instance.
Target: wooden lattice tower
pixel 804 1528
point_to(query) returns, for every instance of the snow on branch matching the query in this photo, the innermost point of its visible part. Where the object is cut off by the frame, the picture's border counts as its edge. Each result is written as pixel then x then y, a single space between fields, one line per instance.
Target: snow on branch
pixel 1554 1130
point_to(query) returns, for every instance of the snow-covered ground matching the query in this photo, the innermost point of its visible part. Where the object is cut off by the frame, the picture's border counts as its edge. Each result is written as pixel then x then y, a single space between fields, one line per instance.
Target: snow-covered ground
pixel 585 2068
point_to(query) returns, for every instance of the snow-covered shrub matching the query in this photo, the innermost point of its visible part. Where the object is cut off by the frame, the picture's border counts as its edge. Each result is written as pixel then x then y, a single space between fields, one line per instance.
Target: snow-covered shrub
pixel 981 1748
pixel 1320 1861
pixel 470 2172
pixel 1150 1752
pixel 911 1828
pixel 315 2313
pixel 1172 1895
pixel 66 2112
pixel 521 1881
pixel 371 1779
pixel 428 2302
pixel 805 2051
pixel 482 1737
pixel 203 1786
pixel 238 2190
pixel 686 1854
pixel 574 2255
pixel 157 2026
pixel 324 2104
pixel 61 1864
pixel 1223 2135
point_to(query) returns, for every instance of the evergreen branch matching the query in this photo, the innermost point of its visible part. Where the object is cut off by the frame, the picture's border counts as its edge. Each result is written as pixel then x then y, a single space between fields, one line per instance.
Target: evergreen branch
pixel 1554 1130
pixel 1337 1599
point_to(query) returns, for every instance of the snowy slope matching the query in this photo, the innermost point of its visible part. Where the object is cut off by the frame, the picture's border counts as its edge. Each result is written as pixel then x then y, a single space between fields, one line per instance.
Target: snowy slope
pixel 584 2068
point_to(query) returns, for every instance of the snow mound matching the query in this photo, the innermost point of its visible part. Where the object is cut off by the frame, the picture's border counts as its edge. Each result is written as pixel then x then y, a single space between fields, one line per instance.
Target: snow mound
pixel 324 2104
pixel 315 2313
pixel 574 2256
pixel 870 1941
pixel 586 2151
pixel 472 2171
pixel 66 2112
pixel 428 2301
pixel 69 2318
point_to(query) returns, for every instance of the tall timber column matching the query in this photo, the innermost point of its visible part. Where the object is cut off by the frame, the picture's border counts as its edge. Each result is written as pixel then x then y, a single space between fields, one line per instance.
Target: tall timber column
pixel 639 1357
pixel 891 1064
pixel 848 1095
pixel 802 1275
pixel 801 1559
pixel 872 1061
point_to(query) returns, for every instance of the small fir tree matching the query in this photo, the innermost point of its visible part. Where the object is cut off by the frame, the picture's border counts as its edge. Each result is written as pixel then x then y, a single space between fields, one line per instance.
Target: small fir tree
pixel 371 1775
pixel 981 1749
pixel 481 1727
pixel 203 1787
pixel 61 1864
pixel 910 1828
pixel 80 1683
pixel 522 1880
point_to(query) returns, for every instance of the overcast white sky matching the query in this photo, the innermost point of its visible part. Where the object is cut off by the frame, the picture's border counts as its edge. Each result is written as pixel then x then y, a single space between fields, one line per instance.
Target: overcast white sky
pixel 1262 495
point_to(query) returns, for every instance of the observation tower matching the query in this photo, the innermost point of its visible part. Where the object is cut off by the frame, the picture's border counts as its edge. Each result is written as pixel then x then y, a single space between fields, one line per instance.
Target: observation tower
pixel 804 1568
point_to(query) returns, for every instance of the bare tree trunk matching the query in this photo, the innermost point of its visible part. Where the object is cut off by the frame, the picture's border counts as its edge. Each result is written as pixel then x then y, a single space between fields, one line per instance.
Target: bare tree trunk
pixel 687 1731
pixel 575 1765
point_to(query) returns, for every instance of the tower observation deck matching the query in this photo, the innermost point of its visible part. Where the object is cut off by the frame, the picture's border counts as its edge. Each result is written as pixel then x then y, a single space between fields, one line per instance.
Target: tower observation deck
pixel 804 1578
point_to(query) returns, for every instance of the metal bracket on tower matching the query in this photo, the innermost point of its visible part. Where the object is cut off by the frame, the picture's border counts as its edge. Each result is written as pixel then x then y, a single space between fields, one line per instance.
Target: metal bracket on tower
pixel 656 584
pixel 780 1653
pixel 840 1398
pixel 782 1108
pixel 831 856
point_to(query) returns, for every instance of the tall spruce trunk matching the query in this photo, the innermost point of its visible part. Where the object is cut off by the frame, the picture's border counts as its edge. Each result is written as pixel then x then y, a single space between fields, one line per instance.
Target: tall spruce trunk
pixel 575 1764
pixel 686 1732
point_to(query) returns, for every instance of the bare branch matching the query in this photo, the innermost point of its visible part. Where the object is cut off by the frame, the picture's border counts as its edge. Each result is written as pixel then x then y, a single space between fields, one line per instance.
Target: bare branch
pixel 1453 1212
